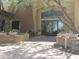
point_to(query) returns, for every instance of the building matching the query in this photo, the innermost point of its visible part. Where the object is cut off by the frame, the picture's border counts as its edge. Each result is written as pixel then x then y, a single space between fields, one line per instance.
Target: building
pixel 29 19
pixel 23 20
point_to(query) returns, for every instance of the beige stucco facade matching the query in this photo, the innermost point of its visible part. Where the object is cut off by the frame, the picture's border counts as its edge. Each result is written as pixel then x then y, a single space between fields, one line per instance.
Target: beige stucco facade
pixel 77 14
pixel 72 10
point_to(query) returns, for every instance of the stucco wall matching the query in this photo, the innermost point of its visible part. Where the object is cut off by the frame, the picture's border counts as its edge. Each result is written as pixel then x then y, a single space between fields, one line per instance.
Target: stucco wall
pixel 26 19
pixel 77 14
pixel 69 8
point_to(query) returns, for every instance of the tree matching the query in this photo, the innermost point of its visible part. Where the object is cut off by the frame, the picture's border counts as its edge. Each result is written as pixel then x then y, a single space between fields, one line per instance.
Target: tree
pixel 39 5
pixel 8 16
pixel 68 21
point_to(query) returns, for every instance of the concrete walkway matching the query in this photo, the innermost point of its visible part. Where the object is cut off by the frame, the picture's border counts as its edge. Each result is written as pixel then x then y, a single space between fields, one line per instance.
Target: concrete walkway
pixel 34 49
pixel 43 39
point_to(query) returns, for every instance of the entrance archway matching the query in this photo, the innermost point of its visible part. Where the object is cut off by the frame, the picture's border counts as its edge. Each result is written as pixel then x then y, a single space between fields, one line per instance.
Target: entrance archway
pixel 51 24
pixel 38 16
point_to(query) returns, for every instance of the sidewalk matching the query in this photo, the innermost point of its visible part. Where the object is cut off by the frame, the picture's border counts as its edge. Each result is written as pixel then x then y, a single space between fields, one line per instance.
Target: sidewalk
pixel 33 50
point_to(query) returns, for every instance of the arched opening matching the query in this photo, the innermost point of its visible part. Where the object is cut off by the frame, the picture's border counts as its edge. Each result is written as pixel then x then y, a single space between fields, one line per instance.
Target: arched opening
pixel 51 21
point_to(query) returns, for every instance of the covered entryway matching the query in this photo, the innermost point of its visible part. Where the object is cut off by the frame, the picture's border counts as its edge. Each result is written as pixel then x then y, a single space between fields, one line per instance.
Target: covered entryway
pixel 51 22
pixel 52 27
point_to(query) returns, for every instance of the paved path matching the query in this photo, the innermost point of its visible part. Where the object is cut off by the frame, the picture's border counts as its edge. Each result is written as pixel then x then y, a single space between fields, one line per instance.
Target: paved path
pixel 33 50
pixel 43 39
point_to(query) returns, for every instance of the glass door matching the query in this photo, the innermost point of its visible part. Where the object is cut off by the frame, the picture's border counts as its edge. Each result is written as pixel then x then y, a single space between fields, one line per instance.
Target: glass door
pixel 52 26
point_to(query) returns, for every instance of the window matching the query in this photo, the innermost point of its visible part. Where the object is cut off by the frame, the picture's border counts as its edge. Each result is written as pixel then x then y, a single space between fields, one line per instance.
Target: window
pixel 58 25
pixel 51 14
pixel 15 25
pixel 55 26
pixel 5 1
pixel 9 1
pixel 2 23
